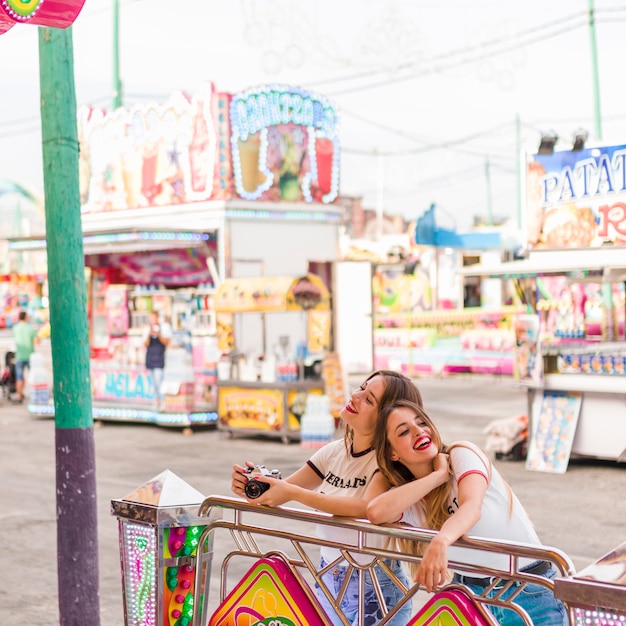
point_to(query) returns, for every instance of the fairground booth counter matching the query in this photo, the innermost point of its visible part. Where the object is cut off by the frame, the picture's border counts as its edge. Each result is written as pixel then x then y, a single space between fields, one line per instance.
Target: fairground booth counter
pixel 176 197
pixel 570 342
pixel 128 275
pixel 274 334
pixel 426 321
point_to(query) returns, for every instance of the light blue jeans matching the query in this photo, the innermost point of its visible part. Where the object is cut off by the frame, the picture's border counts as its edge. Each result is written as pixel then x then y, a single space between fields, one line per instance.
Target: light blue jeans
pixel 334 578
pixel 538 601
pixel 157 381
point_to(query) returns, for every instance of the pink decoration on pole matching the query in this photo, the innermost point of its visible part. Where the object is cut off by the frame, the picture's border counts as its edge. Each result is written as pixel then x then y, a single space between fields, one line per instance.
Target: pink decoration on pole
pixel 51 13
pixel 5 22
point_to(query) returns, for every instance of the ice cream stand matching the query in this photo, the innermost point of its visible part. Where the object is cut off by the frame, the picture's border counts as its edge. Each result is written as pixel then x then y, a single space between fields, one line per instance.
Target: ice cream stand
pixel 265 393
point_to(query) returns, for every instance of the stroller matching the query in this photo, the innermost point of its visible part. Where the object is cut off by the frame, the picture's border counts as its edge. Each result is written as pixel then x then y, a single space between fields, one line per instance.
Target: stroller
pixel 8 381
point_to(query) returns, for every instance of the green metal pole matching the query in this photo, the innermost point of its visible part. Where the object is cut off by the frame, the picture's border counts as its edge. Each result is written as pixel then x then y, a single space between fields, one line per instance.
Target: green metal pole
pixel 489 200
pixel 594 67
pixel 77 536
pixel 518 158
pixel 117 83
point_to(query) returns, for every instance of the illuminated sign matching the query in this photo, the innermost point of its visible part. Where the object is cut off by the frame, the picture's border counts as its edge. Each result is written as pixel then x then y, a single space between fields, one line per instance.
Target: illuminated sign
pixel 284 145
pixel 270 143
pixel 577 198
pixel 149 155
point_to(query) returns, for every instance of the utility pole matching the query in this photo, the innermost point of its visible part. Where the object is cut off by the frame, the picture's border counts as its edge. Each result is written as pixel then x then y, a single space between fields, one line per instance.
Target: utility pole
pixel 518 168
pixel 117 83
pixel 489 198
pixel 380 191
pixel 594 67
pixel 77 532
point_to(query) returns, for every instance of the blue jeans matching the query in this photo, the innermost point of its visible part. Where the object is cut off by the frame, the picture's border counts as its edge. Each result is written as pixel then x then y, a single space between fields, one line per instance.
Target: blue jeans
pixel 538 601
pixel 334 578
pixel 20 366
pixel 157 381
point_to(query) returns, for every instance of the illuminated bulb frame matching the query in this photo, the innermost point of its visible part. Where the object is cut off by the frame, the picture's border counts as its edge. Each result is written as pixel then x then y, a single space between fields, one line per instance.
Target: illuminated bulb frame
pixel 10 8
pixel 323 126
pixel 599 617
pixel 140 574
pixel 101 238
pixel 137 415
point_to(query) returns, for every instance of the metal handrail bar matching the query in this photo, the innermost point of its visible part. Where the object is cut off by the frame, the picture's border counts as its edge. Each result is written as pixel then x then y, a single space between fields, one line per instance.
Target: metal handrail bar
pixel 243 534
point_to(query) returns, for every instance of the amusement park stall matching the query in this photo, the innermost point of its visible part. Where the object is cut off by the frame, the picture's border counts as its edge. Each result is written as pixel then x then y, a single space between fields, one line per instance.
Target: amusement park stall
pixel 129 274
pixel 423 324
pixel 179 196
pixel 274 333
pixel 570 343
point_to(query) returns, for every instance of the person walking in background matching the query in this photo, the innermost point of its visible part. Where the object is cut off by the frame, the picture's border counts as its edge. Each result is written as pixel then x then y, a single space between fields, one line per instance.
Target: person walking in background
pixel 25 337
pixel 454 489
pixel 156 340
pixel 335 480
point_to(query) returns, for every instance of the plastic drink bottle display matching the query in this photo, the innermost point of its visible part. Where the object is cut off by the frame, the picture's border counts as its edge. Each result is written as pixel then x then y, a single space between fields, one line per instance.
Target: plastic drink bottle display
pixel 39 380
pixel 317 425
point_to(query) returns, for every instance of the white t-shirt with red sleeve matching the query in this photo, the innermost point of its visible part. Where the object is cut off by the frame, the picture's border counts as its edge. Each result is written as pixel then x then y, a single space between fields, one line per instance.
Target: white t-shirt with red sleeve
pixel 502 515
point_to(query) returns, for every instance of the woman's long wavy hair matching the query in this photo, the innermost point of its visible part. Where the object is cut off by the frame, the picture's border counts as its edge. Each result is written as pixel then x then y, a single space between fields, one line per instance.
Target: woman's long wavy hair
pixel 397 387
pixel 396 474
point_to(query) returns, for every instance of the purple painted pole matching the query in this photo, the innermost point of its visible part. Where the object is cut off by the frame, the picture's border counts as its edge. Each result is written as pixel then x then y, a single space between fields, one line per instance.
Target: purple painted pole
pixel 77 527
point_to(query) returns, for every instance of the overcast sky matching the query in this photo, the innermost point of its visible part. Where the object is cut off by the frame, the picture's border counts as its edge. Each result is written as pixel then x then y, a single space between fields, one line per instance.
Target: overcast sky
pixel 429 90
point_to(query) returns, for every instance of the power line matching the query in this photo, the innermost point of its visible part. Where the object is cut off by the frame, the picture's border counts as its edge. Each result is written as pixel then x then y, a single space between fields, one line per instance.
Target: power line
pixel 437 67
pixel 452 53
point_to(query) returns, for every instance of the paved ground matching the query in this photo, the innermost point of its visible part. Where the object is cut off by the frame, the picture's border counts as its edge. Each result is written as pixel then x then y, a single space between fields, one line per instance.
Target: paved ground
pixel 581 512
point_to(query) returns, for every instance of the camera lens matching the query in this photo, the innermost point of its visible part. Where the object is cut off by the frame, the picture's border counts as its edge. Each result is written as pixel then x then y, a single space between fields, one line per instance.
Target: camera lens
pixel 254 488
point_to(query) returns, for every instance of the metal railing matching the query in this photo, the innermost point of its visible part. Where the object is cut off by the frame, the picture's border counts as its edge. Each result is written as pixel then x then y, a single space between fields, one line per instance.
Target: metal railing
pixel 247 532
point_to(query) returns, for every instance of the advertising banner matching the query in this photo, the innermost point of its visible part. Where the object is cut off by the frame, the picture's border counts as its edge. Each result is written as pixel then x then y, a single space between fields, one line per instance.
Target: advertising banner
pixel 576 199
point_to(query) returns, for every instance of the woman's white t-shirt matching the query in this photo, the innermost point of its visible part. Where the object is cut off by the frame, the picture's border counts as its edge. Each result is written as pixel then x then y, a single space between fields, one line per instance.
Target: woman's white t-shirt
pixel 343 474
pixel 502 515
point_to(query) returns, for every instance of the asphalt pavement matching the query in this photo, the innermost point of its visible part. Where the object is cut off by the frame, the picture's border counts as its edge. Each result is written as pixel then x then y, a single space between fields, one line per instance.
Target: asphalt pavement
pixel 581 512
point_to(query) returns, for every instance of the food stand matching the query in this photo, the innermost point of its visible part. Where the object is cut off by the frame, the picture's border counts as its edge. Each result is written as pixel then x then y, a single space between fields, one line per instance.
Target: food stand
pixel 571 343
pixel 420 324
pixel 571 359
pixel 128 274
pixel 262 389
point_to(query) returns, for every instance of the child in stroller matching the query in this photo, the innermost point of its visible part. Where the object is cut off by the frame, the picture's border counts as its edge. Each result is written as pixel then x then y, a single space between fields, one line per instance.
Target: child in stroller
pixel 8 381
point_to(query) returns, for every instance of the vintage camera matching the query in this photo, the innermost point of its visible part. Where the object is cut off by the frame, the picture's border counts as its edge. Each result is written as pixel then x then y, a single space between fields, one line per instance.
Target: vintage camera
pixel 254 488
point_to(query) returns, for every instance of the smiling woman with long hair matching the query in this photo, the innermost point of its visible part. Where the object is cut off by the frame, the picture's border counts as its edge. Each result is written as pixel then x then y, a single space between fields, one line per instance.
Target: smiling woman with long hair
pixel 454 489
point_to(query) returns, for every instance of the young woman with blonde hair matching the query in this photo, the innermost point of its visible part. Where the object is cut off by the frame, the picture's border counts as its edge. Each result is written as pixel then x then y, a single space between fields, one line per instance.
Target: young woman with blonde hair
pixel 455 490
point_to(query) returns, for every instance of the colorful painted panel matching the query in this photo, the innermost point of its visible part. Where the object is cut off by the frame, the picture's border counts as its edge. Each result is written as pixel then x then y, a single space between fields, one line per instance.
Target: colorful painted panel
pixel 269 593
pixel 554 424
pixel 257 409
pixel 181 541
pixel 452 607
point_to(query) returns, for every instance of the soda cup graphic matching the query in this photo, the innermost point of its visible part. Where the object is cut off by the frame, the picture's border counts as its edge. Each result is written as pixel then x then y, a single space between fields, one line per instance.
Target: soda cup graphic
pixel 199 156
pixel 249 151
pixel 324 160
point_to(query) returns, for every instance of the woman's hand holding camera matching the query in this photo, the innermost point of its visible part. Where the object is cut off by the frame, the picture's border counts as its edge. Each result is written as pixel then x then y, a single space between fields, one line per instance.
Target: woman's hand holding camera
pixel 239 479
pixel 257 476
